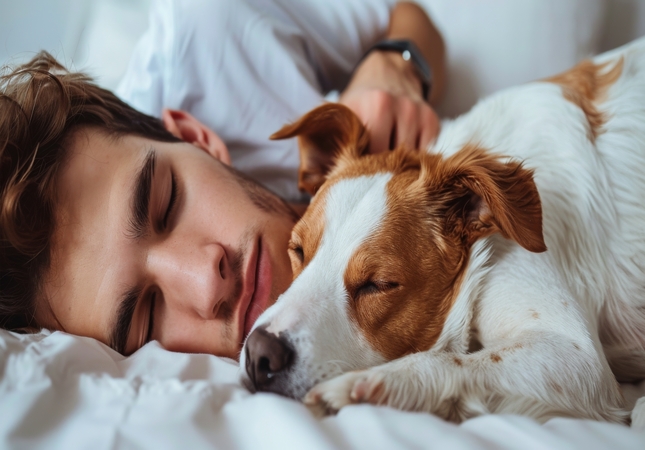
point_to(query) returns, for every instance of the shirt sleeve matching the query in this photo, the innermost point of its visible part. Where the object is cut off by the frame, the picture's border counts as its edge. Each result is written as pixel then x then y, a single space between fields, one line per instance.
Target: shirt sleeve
pixel 336 32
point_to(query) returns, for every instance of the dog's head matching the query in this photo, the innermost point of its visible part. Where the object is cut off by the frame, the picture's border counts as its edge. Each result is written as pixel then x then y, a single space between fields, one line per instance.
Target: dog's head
pixel 379 255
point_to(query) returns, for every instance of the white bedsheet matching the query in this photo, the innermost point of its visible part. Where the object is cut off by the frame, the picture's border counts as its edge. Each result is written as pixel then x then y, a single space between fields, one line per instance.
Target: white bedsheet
pixel 63 391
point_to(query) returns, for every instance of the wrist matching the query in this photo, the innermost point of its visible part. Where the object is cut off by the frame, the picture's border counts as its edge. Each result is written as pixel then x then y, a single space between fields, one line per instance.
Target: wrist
pixel 406 56
pixel 403 67
pixel 385 72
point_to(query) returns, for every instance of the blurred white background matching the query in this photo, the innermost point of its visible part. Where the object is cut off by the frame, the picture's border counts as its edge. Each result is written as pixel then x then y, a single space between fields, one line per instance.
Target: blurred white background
pixel 491 43
pixel 96 36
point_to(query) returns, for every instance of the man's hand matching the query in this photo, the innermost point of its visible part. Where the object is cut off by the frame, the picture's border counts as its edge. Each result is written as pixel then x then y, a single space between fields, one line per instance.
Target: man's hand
pixel 385 93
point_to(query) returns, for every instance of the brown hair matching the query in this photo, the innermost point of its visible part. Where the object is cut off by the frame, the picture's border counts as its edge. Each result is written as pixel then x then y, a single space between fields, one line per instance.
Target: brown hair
pixel 41 105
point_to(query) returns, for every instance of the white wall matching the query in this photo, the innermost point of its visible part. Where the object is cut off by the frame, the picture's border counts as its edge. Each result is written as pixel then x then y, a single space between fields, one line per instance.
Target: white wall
pixel 96 36
pixel 29 25
pixel 624 21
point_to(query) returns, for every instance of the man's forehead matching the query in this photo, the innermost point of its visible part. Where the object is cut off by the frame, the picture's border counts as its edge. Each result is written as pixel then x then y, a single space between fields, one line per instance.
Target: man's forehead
pixel 92 190
pixel 93 194
pixel 93 153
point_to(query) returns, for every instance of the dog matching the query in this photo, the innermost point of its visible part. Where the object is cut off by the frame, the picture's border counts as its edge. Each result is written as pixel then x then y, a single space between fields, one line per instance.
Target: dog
pixel 500 271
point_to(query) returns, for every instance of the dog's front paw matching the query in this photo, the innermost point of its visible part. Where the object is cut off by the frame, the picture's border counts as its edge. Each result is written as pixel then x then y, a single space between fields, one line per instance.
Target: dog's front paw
pixel 366 386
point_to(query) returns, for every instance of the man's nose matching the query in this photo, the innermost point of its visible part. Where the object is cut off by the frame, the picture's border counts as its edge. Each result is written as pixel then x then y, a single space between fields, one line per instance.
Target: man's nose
pixel 267 358
pixel 196 277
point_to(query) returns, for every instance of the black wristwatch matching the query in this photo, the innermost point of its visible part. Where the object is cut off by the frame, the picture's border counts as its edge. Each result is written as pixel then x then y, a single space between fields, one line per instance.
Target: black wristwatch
pixel 410 52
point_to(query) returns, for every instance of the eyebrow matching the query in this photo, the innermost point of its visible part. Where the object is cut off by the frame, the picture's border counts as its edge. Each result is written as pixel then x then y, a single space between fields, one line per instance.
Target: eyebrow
pixel 139 217
pixel 138 224
pixel 121 329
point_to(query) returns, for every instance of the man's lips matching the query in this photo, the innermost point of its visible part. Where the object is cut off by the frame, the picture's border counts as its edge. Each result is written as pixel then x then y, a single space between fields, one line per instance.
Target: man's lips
pixel 248 289
pixel 257 288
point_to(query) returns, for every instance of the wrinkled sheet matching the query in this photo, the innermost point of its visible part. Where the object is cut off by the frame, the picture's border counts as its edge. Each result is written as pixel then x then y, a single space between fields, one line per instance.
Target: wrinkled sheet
pixel 63 391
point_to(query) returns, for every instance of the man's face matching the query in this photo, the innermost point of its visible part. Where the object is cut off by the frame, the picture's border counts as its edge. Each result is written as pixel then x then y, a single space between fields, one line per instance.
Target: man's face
pixel 166 239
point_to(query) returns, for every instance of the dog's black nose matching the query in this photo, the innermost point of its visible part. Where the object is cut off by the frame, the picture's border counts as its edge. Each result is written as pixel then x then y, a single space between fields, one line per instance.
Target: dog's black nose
pixel 266 356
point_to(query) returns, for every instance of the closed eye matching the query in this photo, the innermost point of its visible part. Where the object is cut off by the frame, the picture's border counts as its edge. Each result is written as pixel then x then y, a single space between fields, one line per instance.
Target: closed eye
pixel 298 251
pixel 172 201
pixel 374 287
pixel 151 318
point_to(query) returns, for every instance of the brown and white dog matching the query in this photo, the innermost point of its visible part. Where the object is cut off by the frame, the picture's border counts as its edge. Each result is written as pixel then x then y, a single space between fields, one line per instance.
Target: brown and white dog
pixel 422 280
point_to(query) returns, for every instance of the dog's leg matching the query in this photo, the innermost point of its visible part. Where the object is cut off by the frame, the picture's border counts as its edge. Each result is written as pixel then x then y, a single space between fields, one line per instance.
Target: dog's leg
pixel 540 375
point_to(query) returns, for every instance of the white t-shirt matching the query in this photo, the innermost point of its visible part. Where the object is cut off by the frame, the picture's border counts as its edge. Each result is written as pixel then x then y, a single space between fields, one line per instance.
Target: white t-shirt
pixel 247 67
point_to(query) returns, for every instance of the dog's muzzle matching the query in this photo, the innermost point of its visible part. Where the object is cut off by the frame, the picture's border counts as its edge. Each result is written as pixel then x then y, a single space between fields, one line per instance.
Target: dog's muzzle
pixel 268 358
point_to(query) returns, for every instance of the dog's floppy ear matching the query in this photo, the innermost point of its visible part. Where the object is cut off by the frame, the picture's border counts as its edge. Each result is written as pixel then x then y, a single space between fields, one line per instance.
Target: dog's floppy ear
pixel 324 134
pixel 483 195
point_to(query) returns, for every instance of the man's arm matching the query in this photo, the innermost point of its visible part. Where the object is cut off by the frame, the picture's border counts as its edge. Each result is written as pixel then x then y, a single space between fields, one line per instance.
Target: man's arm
pixel 386 92
pixel 409 21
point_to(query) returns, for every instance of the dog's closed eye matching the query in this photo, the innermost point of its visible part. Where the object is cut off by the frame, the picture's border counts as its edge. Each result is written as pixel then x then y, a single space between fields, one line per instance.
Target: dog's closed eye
pixel 371 287
pixel 299 252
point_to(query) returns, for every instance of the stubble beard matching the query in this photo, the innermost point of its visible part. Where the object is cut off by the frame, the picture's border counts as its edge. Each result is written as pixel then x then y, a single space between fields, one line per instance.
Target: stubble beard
pixel 269 202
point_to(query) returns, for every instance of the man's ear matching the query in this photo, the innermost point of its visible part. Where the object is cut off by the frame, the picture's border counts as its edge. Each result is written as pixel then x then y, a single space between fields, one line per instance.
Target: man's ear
pixel 324 134
pixel 483 195
pixel 187 128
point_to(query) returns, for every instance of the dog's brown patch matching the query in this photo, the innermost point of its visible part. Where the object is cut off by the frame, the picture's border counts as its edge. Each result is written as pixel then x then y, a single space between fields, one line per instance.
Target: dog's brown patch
pixel 586 85
pixel 535 314
pixel 323 134
pixel 436 210
pixel 457 361
pixel 409 313
pixel 495 357
pixel 484 195
pixel 307 235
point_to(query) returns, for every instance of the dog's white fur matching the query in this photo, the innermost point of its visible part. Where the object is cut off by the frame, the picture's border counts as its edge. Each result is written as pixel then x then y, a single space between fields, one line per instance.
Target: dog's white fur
pixel 550 324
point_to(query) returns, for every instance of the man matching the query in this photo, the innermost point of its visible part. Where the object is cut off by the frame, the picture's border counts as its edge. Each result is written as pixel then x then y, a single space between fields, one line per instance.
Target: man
pixel 115 229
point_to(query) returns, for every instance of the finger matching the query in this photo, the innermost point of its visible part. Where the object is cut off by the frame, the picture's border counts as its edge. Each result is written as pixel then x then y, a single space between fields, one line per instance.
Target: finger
pixel 380 130
pixel 407 124
pixel 429 129
pixel 378 119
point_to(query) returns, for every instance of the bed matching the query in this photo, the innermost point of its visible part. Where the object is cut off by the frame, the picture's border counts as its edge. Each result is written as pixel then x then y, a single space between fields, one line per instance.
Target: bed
pixel 63 391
